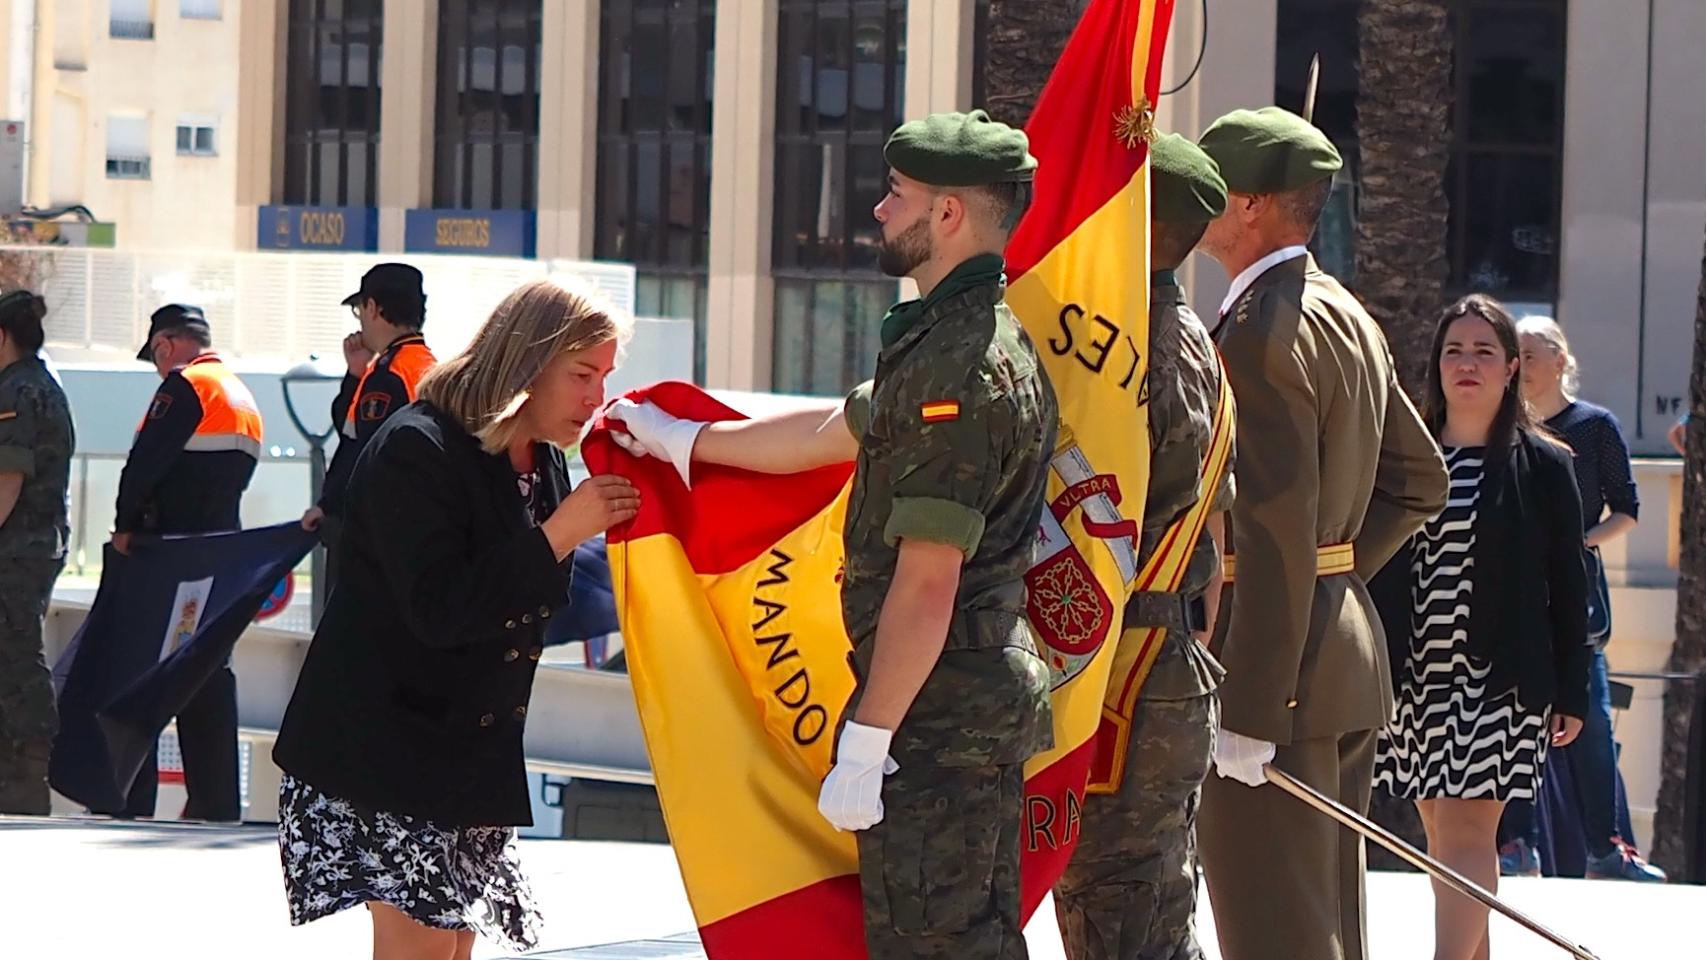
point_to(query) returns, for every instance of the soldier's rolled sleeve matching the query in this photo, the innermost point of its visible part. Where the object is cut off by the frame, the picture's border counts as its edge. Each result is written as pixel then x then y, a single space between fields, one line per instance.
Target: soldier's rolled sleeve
pixel 17 432
pixel 856 410
pixel 940 470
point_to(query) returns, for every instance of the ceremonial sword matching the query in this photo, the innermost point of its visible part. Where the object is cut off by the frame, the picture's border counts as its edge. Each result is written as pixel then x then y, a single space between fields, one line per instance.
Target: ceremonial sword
pixel 1416 858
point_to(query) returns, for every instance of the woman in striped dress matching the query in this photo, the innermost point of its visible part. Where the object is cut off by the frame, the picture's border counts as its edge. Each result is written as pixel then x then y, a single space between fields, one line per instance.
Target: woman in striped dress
pixel 1485 616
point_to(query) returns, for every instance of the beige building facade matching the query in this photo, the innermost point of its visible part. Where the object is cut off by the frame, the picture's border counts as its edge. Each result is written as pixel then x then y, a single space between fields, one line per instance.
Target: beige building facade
pixel 731 148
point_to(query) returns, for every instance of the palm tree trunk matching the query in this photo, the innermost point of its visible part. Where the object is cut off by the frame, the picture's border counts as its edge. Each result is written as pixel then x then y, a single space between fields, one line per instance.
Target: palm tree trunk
pixel 1403 129
pixel 1404 137
pixel 1025 39
pixel 1688 655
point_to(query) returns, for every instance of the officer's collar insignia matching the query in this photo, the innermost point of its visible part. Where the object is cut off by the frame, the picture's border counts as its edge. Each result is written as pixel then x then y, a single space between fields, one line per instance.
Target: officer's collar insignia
pixel 940 410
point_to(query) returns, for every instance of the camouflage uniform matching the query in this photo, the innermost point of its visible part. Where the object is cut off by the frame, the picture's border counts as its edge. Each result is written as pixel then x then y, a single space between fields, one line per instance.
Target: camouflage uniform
pixel 1130 890
pixel 36 440
pixel 954 436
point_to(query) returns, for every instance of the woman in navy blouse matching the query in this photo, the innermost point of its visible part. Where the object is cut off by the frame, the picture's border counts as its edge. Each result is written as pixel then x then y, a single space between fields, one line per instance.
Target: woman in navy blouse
pixel 1610 506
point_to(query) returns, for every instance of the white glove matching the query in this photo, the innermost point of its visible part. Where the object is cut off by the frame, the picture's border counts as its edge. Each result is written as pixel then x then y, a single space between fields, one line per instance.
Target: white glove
pixel 652 431
pixel 1242 758
pixel 852 795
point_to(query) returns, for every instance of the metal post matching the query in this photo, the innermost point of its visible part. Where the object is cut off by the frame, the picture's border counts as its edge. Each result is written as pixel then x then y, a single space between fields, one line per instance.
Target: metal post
pixel 317 565
pixel 313 371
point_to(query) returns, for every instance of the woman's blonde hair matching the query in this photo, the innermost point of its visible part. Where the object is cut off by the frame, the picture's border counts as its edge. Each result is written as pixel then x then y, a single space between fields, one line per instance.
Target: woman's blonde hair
pixel 1548 330
pixel 485 386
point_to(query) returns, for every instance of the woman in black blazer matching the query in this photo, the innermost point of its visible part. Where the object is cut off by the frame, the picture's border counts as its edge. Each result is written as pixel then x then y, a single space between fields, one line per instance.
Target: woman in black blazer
pixel 1485 613
pixel 402 744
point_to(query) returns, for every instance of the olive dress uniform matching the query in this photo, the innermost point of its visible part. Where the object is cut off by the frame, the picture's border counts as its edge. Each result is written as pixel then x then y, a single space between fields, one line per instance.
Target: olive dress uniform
pixel 954 438
pixel 1335 471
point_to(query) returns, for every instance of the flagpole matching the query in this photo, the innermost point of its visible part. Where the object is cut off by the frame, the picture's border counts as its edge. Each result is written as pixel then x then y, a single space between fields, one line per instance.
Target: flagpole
pixel 1416 858
pixel 1311 87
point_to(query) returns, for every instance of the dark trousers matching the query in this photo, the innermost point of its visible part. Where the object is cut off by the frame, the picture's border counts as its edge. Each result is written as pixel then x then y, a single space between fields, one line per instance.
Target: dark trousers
pixel 207 738
pixel 940 873
pixel 1593 761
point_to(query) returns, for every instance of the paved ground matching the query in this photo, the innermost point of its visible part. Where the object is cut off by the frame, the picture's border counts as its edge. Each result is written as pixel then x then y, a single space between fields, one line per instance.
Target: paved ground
pixel 96 889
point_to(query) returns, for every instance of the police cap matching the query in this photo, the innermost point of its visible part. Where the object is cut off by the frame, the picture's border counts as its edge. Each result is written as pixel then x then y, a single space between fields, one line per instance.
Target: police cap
pixel 169 318
pixel 389 283
pixel 960 150
pixel 1270 150
pixel 1184 182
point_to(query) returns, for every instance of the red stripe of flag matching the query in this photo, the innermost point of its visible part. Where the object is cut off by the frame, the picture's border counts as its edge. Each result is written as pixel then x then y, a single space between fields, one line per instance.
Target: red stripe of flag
pixel 719 522
pixel 1080 163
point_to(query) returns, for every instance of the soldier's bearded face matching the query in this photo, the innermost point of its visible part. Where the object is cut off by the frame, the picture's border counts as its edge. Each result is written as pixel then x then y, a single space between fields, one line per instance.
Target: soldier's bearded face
pixel 902 253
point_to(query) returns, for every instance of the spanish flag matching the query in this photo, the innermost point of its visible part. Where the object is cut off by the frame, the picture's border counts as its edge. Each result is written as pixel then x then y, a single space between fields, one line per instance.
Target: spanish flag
pixel 728 593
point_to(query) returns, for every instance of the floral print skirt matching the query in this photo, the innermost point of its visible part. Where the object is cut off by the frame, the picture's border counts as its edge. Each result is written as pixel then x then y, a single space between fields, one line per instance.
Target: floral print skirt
pixel 337 855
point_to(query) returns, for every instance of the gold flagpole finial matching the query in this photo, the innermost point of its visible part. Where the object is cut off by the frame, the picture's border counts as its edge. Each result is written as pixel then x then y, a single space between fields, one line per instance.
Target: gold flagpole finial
pixel 1135 124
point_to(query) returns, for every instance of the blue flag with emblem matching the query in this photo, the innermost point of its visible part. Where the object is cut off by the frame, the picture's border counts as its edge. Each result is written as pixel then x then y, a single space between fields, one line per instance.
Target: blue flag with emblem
pixel 164 619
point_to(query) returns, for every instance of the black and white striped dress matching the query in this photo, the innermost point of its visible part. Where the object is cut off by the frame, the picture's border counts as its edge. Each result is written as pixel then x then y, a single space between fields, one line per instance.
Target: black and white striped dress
pixel 1450 737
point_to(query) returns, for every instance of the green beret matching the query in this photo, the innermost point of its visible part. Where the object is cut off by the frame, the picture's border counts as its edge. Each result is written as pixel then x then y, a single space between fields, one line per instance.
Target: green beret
pixel 960 150
pixel 1184 183
pixel 1269 151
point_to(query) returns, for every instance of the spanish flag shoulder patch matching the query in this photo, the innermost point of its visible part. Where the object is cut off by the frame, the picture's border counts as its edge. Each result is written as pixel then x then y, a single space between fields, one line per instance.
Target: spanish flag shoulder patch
pixel 940 410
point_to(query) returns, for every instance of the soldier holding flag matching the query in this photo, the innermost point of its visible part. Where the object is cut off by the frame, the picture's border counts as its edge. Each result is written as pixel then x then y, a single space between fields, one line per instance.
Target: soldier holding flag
pixel 1130 890
pixel 1335 470
pixel 952 441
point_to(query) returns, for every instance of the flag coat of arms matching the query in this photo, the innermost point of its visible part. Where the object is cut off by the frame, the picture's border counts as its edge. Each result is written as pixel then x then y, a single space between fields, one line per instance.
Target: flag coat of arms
pixel 728 593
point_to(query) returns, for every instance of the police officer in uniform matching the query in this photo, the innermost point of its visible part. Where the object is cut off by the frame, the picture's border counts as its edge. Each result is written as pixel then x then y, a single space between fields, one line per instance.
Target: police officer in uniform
pixel 1335 470
pixel 36 443
pixel 387 358
pixel 951 443
pixel 1130 890
pixel 191 460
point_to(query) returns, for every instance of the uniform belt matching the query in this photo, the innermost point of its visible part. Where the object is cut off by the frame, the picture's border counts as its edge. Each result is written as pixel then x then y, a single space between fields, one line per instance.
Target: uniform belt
pixel 1168 611
pixel 1334 558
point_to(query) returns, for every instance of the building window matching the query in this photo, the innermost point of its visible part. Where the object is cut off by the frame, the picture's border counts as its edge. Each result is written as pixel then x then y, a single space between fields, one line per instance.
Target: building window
pixel 487 152
pixel 840 89
pixel 1328 28
pixel 195 137
pixel 130 20
pixel 198 9
pixel 331 125
pixel 654 153
pixel 127 147
pixel 1507 168
pixel 1505 180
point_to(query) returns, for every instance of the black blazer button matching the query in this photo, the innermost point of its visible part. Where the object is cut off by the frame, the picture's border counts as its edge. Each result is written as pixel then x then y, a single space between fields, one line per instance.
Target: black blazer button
pixel 509 624
pixel 536 653
pixel 487 719
pixel 544 613
pixel 512 655
pixel 521 713
pixel 527 618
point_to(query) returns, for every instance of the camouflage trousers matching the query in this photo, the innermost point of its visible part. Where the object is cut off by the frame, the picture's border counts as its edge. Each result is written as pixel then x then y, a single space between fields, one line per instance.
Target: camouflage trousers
pixel 940 874
pixel 28 721
pixel 1130 892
